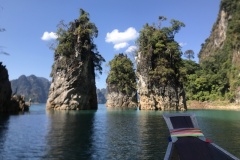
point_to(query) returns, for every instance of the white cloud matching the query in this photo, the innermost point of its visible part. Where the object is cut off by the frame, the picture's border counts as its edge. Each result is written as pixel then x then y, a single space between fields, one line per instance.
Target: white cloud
pixel 131 49
pixel 182 44
pixel 48 36
pixel 121 39
pixel 120 45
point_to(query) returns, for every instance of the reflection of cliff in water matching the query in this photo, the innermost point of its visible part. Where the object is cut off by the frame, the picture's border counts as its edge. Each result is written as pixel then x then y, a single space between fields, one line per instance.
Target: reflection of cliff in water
pixel 153 134
pixel 70 134
pixel 135 135
pixel 3 130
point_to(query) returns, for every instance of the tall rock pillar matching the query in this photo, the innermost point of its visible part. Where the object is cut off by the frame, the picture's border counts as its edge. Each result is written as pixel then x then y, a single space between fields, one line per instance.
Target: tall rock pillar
pixel 73 72
pixel 158 68
pixel 121 83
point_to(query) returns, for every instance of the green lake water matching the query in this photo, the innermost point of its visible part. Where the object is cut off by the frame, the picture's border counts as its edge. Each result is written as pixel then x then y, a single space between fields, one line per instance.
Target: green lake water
pixel 104 134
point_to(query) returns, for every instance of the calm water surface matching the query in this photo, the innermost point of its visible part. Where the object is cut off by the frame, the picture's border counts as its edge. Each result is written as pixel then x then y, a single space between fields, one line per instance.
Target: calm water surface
pixel 104 134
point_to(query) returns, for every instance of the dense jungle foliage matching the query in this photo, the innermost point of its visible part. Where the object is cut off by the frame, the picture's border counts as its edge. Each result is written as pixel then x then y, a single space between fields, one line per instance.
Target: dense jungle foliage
pixel 122 74
pixel 217 76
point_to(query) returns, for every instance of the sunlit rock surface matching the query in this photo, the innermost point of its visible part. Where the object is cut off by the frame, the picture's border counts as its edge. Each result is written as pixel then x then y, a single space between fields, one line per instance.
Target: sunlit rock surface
pixel 156 96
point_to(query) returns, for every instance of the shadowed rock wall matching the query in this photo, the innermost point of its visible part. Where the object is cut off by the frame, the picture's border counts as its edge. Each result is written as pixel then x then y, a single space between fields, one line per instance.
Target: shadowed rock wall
pixel 9 103
pixel 5 89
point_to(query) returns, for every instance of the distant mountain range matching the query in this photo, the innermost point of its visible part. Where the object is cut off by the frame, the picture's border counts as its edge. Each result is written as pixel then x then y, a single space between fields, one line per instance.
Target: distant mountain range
pixel 32 87
pixel 101 96
pixel 37 88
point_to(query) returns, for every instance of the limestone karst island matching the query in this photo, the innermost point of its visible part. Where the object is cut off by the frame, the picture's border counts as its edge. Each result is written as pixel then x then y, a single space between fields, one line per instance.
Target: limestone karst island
pixel 159 98
pixel 160 77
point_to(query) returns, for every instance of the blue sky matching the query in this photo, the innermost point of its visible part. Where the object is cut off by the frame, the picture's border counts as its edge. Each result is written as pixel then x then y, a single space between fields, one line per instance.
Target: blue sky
pixel 118 22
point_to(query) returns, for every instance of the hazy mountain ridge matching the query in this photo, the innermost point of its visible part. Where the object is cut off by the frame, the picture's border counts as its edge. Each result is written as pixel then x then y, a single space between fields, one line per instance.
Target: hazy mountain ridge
pixel 32 87
pixel 101 95
pixel 37 89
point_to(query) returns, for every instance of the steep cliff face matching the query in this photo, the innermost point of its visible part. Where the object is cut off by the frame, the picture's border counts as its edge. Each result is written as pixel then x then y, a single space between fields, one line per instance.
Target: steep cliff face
pixel 158 68
pixel 73 86
pixel 217 38
pixel 5 89
pixel 119 99
pixel 157 96
pixel 73 72
pixel 223 48
pixel 121 83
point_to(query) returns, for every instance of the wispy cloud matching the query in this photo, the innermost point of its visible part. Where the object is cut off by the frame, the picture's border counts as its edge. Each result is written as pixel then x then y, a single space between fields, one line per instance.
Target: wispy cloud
pixel 182 44
pixel 48 36
pixel 120 45
pixel 121 39
pixel 131 49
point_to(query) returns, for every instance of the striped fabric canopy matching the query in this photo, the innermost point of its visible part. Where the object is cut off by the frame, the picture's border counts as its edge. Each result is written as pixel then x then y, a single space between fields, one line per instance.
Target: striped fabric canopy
pixel 184 132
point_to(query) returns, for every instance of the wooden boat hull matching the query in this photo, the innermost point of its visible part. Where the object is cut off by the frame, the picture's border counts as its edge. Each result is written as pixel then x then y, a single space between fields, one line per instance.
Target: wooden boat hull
pixel 188 143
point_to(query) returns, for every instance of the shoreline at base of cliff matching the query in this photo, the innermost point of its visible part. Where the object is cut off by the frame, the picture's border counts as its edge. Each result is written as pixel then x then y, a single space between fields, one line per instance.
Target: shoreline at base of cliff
pixel 217 105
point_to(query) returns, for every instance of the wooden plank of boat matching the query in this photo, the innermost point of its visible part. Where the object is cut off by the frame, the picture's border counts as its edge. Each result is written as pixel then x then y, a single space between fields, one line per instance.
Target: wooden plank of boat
pixel 187 142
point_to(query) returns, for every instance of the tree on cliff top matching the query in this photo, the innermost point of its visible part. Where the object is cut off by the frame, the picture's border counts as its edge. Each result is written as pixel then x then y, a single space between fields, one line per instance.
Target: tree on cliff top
pixel 189 54
pixel 162 52
pixel 122 74
pixel 77 38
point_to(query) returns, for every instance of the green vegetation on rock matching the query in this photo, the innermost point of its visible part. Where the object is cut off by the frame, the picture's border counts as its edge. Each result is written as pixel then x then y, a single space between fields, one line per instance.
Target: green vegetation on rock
pixel 159 65
pixel 77 38
pixel 122 74
pixel 161 51
pixel 217 77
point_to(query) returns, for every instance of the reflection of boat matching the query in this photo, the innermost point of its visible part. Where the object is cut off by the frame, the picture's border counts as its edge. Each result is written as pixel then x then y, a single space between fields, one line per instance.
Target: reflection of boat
pixel 187 142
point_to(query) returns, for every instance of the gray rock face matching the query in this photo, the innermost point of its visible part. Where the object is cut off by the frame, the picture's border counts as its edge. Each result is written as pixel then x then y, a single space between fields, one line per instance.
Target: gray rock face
pixel 5 89
pixel 156 96
pixel 217 38
pixel 117 99
pixel 73 84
